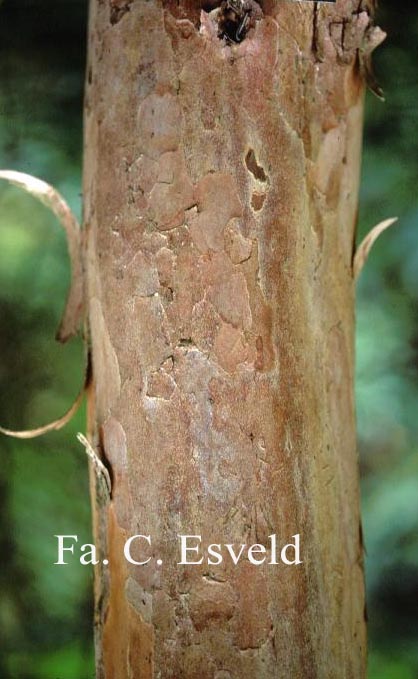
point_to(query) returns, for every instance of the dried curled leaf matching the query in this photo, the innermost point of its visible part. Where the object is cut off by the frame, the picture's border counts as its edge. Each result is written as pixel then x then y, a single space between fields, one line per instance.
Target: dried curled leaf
pixel 366 245
pixel 74 308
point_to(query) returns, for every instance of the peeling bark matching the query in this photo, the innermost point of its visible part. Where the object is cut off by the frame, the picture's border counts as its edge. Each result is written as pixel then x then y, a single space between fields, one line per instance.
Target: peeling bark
pixel 221 186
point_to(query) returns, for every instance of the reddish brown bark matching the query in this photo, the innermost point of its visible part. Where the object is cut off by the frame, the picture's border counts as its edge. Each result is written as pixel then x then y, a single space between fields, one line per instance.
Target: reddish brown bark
pixel 221 189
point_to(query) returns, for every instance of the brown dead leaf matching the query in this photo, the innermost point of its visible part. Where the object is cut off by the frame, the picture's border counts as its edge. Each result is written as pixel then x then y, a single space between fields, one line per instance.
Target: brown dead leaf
pixel 50 197
pixel 74 309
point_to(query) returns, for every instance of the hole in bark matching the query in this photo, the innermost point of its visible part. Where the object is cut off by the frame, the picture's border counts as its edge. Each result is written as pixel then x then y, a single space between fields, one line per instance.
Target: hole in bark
pixel 236 17
pixel 257 201
pixel 118 9
pixel 185 342
pixel 233 17
pixel 252 166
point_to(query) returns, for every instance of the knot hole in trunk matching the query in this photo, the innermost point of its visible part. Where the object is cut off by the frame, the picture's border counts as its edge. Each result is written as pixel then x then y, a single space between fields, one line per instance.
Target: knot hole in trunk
pixel 234 17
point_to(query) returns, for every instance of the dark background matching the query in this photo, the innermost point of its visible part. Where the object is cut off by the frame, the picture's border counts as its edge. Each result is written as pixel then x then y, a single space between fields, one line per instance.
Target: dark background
pixel 46 610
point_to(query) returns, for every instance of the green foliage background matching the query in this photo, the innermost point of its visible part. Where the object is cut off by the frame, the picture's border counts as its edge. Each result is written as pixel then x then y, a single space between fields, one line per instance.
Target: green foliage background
pixel 45 610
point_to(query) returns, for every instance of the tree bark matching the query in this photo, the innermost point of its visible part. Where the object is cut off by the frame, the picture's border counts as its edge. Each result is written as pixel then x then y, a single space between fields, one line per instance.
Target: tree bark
pixel 221 185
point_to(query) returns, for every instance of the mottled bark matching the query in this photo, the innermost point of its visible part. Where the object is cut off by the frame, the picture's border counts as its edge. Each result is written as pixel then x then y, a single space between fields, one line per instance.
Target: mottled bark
pixel 221 186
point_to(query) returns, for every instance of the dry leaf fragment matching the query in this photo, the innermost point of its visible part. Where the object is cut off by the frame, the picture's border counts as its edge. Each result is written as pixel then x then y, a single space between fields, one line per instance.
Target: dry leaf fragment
pixel 101 471
pixel 74 308
pixel 51 426
pixel 61 421
pixel 366 245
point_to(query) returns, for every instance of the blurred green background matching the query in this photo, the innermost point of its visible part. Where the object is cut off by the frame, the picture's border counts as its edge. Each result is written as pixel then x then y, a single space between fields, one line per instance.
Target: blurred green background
pixel 45 610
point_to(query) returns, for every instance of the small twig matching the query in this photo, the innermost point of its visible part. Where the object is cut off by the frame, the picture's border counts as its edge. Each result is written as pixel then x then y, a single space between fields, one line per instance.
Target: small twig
pixel 101 471
pixel 367 243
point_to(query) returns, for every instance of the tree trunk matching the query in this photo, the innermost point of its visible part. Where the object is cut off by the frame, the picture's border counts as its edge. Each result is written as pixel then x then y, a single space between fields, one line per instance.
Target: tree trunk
pixel 221 184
